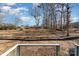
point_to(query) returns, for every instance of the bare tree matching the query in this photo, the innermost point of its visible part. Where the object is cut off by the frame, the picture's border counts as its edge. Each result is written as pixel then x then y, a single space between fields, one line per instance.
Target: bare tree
pixel 1 18
pixel 68 18
pixel 17 21
pixel 45 11
pixel 35 12
pixel 56 15
pixel 49 20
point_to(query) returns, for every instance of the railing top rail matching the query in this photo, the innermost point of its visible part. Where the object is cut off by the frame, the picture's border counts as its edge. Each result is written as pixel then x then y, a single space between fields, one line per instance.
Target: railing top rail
pixel 77 44
pixel 38 44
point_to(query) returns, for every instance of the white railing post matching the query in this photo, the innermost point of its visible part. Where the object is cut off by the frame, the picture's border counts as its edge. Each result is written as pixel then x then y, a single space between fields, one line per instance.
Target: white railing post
pixel 76 50
pixel 18 51
pixel 57 50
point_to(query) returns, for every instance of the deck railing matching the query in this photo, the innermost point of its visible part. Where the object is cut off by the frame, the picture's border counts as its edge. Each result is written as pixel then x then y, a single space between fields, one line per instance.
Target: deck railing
pixel 76 50
pixel 16 50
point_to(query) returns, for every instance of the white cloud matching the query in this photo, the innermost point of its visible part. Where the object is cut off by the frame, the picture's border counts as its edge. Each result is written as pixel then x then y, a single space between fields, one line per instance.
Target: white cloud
pixel 9 10
pixel 75 18
pixel 36 4
pixel 10 4
pixel 6 8
pixel 15 11
pixel 2 15
pixel 21 8
pixel 25 19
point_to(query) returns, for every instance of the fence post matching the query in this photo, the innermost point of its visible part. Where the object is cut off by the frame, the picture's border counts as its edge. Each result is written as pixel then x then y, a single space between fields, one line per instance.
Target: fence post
pixel 76 50
pixel 57 50
pixel 18 51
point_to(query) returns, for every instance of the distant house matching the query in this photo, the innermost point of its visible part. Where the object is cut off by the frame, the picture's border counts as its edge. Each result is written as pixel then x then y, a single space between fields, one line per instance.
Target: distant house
pixel 75 25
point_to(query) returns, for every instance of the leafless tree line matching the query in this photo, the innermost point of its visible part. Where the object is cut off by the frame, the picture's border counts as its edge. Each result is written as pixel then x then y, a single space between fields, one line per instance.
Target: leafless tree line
pixel 55 16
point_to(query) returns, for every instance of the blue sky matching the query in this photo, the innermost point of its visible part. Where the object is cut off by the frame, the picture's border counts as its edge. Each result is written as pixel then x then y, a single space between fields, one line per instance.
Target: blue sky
pixel 75 12
pixel 17 10
pixel 12 11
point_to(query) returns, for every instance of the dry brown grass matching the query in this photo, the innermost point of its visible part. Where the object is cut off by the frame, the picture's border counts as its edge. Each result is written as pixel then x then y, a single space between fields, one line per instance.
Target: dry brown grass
pixel 5 45
pixel 38 51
